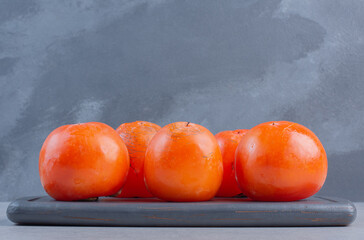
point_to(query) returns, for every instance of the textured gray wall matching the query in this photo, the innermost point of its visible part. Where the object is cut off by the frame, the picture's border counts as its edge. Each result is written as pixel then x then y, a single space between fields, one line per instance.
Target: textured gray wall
pixel 222 64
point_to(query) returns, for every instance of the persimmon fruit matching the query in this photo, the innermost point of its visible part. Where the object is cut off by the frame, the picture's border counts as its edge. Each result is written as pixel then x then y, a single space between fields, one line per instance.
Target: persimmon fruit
pixel 83 161
pixel 228 141
pixel 280 161
pixel 183 163
pixel 136 136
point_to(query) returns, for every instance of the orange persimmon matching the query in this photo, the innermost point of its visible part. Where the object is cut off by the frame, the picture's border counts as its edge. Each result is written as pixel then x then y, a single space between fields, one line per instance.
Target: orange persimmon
pixel 228 141
pixel 280 161
pixel 183 163
pixel 136 136
pixel 82 161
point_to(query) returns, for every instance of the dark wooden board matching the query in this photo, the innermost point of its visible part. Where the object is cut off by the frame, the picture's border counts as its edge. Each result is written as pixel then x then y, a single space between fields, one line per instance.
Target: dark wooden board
pixel 219 212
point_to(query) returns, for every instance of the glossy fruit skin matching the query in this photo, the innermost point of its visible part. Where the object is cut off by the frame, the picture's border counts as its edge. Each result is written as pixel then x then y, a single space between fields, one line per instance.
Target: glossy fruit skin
pixel 280 161
pixel 183 163
pixel 228 142
pixel 83 161
pixel 136 136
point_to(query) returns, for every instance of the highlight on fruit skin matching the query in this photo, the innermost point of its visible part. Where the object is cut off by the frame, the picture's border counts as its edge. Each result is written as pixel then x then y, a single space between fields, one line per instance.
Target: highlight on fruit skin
pixel 83 161
pixel 183 163
pixel 228 142
pixel 280 161
pixel 136 136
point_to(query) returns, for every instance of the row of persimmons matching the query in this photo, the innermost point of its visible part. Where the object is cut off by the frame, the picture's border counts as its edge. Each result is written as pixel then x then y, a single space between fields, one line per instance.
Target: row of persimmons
pixel 183 161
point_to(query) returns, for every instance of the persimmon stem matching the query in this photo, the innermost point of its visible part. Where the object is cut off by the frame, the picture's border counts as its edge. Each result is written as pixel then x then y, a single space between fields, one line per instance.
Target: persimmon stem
pixel 187 124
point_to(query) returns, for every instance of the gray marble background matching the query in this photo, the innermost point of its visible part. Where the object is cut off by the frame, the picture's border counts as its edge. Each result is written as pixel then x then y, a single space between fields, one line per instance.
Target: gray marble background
pixel 222 64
